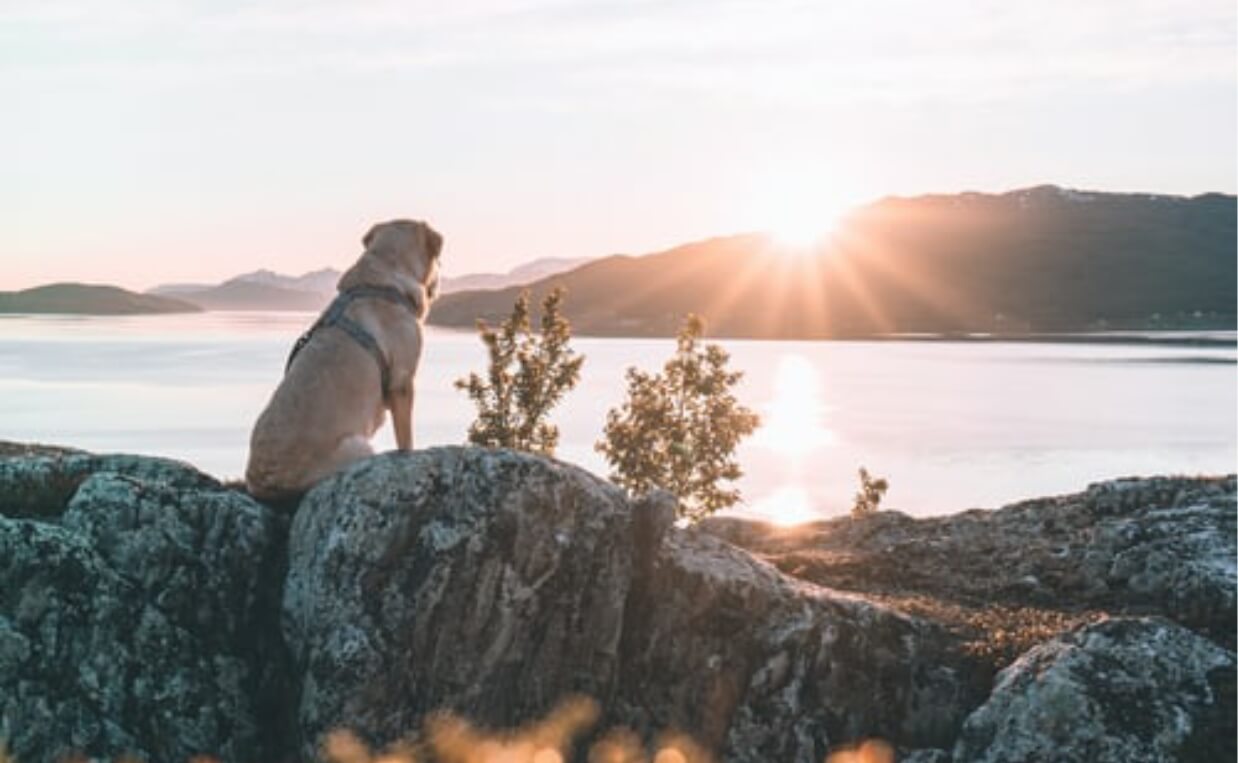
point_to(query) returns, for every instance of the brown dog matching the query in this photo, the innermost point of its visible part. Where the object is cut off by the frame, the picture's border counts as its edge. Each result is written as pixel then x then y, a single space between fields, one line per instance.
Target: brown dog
pixel 356 363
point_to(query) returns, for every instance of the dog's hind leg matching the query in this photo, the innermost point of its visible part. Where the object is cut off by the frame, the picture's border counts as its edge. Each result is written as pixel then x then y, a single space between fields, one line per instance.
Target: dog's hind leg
pixel 349 450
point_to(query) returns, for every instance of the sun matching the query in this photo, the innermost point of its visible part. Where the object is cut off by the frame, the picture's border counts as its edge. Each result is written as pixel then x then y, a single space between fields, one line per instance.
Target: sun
pixel 800 234
pixel 801 221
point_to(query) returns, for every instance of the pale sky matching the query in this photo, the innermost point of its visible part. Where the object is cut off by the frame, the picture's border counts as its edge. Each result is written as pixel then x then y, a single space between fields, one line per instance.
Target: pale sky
pixel 147 142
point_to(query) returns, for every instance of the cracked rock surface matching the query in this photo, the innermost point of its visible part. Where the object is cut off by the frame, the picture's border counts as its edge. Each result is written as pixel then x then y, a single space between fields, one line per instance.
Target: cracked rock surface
pixel 137 603
pixel 1128 690
pixel 494 583
pixel 146 609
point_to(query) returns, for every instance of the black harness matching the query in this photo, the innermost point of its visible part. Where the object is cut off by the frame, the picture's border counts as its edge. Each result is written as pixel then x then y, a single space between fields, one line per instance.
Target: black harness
pixel 334 316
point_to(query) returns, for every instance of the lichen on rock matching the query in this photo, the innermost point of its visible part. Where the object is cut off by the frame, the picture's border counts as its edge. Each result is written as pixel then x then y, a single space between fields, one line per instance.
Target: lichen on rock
pixel 1127 690
pixel 136 616
pixel 495 583
pixel 146 609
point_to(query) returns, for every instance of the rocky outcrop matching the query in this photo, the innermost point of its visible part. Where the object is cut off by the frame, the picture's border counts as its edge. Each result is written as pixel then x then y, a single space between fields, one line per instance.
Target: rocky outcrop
pixel 1122 691
pixel 1160 546
pixel 495 584
pixel 137 602
pixel 147 609
pixel 38 481
pixel 477 581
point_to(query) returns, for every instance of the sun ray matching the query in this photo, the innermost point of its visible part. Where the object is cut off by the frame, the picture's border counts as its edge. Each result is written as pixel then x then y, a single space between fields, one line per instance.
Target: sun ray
pixel 749 271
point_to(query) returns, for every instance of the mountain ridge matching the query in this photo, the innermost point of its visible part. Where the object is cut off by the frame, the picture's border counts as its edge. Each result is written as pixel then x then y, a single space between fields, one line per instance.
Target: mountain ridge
pixel 1034 260
pixel 265 289
pixel 73 298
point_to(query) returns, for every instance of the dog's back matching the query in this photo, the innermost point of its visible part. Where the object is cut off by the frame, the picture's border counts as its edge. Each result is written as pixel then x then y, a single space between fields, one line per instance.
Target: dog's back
pixel 353 365
pixel 330 397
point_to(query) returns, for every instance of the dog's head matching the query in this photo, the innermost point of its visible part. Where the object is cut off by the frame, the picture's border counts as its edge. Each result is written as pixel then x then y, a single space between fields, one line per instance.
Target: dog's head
pixel 410 248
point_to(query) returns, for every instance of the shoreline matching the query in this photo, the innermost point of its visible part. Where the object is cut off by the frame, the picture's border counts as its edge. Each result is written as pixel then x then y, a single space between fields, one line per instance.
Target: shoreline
pixel 1203 338
pixel 14 449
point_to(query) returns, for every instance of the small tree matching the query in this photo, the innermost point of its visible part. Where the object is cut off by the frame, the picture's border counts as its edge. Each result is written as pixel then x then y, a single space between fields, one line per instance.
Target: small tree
pixel 868 499
pixel 528 375
pixel 678 430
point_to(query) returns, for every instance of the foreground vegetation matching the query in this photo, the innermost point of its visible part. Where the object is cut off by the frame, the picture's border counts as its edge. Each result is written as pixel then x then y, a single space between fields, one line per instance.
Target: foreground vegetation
pixel 676 431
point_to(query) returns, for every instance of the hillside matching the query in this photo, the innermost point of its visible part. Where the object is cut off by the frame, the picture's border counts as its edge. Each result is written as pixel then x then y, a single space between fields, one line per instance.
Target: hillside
pixel 267 290
pixel 86 299
pixel 517 276
pixel 239 294
pixel 316 281
pixel 1043 259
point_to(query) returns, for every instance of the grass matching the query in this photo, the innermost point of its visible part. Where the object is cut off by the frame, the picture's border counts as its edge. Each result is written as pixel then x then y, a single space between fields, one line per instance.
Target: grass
pixel 995 633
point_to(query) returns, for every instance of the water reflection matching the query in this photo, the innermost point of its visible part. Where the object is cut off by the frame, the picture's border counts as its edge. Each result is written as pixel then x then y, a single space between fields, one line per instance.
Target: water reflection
pixel 792 422
pixel 1019 419
pixel 793 428
pixel 790 505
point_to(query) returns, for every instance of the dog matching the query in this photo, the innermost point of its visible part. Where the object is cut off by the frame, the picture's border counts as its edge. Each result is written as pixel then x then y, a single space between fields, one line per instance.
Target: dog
pixel 356 363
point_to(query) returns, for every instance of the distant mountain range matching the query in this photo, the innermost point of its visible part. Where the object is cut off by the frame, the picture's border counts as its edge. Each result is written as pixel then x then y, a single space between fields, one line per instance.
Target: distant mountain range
pixel 1043 259
pixel 517 276
pixel 267 290
pixel 77 298
pixel 1037 260
pixel 240 293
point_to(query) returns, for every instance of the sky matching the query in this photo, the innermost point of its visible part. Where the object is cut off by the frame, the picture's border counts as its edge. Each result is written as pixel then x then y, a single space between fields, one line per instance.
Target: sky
pixel 170 141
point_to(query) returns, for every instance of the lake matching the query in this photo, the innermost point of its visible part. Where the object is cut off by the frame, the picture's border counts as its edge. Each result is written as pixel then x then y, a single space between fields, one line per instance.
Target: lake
pixel 952 425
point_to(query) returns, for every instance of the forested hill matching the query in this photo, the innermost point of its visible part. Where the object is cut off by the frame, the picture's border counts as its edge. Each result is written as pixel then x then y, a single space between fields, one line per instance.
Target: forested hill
pixel 1043 259
pixel 87 299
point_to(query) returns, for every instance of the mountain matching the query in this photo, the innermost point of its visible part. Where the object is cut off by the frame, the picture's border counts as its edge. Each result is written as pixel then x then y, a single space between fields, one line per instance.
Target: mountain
pixel 260 290
pixel 517 276
pixel 268 290
pixel 317 281
pixel 238 294
pixel 1043 259
pixel 175 289
pixel 86 299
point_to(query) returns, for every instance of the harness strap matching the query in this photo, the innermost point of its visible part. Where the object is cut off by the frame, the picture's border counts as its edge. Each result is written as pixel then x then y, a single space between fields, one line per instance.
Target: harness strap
pixel 334 316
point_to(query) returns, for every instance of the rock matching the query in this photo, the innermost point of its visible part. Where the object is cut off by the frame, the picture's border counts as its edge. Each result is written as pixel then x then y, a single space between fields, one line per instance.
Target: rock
pixel 1128 690
pixel 477 581
pixel 146 609
pixel 137 612
pixel 1162 546
pixel 762 667
pixel 38 481
pixel 493 584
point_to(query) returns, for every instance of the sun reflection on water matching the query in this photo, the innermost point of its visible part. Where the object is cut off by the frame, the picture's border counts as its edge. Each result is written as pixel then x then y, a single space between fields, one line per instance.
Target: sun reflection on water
pixel 793 418
pixel 791 505
pixel 794 429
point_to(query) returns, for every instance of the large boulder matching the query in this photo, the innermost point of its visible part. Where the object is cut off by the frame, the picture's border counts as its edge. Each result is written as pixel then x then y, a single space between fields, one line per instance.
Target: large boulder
pixel 494 584
pixel 763 667
pixel 1128 690
pixel 138 603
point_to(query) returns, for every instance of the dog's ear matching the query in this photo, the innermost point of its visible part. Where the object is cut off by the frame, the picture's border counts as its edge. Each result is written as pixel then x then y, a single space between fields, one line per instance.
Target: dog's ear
pixel 434 241
pixel 369 236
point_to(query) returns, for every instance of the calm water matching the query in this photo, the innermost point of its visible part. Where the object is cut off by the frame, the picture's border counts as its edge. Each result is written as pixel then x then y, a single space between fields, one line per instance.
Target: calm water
pixel 952 425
